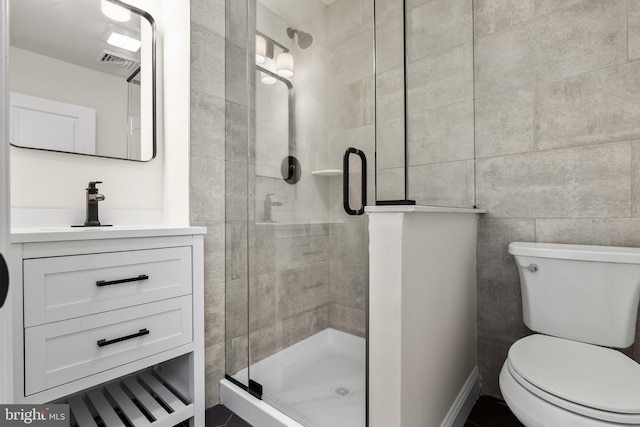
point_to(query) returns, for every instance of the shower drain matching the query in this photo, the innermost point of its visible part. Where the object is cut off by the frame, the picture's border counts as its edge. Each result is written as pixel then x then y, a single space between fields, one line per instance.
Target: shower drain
pixel 341 391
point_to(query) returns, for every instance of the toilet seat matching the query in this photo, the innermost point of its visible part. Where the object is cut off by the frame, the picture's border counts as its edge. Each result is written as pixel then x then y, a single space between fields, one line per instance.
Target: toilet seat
pixel 582 378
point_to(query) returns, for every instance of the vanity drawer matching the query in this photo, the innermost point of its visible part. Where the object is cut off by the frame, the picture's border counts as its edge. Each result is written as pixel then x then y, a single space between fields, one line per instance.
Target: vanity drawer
pixel 57 353
pixel 65 287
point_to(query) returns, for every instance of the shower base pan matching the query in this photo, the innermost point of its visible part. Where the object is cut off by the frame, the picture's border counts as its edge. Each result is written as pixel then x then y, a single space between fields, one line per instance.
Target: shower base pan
pixel 318 382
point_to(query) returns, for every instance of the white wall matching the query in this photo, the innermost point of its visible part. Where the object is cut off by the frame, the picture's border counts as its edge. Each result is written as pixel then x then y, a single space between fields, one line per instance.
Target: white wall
pixel 47 180
pixel 308 199
pixel 175 72
pixel 6 314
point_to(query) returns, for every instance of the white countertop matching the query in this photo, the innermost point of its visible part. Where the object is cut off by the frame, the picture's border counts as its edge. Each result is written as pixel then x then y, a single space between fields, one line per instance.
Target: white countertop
pixel 419 208
pixel 54 234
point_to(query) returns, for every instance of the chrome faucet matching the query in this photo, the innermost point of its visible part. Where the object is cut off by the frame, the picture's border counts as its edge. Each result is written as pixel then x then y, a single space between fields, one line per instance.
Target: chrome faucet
pixel 268 204
pixel 92 205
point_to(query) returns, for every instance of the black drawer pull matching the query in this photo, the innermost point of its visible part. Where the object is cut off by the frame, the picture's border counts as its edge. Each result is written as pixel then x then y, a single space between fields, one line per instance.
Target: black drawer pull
pixel 115 282
pixel 141 332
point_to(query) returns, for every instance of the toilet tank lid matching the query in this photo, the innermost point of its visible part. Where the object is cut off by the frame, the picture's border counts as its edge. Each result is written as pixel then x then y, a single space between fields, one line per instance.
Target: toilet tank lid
pixel 576 252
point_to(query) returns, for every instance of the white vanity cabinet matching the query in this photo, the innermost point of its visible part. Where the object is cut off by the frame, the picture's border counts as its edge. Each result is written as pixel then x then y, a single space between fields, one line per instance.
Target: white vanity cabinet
pixel 110 321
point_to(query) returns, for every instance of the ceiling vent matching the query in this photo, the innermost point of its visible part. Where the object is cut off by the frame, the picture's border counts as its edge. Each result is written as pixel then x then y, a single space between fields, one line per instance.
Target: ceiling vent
pixel 114 60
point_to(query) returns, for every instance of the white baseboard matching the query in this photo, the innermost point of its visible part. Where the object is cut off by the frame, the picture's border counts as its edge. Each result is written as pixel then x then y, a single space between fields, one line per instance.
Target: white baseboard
pixel 461 408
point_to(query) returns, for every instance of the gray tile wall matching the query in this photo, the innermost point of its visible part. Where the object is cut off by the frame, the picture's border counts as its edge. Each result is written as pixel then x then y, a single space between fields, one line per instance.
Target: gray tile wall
pixel 440 102
pixel 207 194
pixel 390 100
pixel 288 294
pixel 440 107
pixel 237 197
pixel 557 91
pixel 300 273
pixel 556 134
pixel 350 124
pixel 302 276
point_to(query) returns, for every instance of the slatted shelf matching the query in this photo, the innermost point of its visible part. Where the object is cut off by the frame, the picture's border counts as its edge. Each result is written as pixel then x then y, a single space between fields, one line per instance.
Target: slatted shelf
pixel 140 400
pixel 81 412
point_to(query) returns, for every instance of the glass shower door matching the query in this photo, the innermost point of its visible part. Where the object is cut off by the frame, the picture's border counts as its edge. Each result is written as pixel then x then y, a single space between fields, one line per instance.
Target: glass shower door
pixel 303 291
pixel 302 90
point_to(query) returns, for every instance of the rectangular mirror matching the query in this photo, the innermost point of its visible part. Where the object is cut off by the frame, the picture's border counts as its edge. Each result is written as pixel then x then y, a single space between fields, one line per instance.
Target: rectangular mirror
pixel 82 78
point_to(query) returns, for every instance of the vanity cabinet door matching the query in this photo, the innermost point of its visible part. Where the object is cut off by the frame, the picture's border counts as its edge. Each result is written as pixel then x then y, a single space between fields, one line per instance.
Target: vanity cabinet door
pixel 60 352
pixel 60 288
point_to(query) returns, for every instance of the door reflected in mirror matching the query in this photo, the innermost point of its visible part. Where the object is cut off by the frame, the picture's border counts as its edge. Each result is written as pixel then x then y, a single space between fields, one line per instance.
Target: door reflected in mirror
pixel 82 78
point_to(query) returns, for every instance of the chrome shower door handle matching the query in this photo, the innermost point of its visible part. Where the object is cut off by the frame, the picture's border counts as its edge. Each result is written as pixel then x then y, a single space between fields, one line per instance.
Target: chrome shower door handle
pixel 345 181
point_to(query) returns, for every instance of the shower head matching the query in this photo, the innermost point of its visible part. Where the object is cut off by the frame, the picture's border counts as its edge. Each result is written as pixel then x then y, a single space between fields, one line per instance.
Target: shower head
pixel 304 39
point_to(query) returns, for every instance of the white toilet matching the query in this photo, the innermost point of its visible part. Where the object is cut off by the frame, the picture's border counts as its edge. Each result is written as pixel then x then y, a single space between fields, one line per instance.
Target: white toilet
pixel 583 299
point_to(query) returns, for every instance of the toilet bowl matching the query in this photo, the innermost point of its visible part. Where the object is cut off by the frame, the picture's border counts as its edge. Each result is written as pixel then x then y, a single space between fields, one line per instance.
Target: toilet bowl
pixel 553 382
pixel 580 300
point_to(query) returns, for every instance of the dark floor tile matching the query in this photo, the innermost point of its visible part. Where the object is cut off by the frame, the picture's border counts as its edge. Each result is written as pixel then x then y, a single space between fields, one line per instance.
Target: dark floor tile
pixel 236 421
pixel 217 416
pixel 221 416
pixel 491 412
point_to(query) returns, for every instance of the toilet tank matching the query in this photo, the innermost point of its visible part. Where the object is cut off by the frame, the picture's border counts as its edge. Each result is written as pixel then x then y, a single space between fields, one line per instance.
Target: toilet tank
pixel 583 293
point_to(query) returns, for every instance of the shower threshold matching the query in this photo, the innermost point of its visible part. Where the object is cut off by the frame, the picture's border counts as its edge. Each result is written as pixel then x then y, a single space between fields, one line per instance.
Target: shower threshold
pixel 317 382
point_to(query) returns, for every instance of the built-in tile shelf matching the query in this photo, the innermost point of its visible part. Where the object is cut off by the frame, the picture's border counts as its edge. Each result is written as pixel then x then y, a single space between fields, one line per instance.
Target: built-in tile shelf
pixel 327 172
